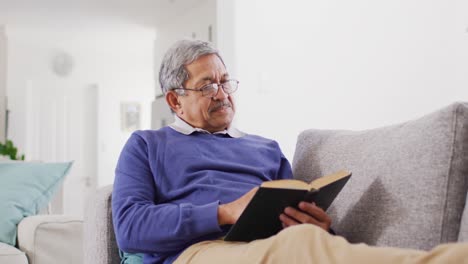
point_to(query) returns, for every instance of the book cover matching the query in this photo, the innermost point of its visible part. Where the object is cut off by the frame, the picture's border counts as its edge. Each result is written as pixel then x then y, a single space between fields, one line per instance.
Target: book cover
pixel 260 219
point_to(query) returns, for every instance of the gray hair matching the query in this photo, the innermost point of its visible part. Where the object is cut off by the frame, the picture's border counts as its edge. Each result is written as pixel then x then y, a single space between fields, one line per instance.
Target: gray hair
pixel 173 73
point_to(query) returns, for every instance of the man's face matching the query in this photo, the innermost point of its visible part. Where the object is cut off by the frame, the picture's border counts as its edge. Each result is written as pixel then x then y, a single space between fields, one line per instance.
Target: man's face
pixel 209 113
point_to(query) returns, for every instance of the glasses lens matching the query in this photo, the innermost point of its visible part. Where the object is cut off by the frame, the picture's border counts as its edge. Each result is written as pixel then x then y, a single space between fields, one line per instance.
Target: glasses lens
pixel 230 86
pixel 209 90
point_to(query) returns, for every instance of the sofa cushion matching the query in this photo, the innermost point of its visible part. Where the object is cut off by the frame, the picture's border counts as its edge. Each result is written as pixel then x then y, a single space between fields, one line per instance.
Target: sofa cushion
pixel 25 189
pixel 409 181
pixel 11 255
pixel 50 239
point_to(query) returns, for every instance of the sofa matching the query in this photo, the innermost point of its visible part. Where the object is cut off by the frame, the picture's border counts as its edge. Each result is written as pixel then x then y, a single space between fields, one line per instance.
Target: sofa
pixel 408 189
pixel 28 234
pixel 46 239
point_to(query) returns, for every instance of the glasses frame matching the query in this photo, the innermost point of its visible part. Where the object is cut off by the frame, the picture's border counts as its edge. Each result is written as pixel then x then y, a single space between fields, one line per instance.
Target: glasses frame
pixel 217 89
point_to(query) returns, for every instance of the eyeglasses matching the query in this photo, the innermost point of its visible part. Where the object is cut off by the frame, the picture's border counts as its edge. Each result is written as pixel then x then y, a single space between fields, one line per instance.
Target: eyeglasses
pixel 211 90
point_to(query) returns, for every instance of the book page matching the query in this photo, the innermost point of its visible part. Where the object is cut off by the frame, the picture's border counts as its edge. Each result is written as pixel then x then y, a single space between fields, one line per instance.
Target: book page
pixel 325 180
pixel 286 184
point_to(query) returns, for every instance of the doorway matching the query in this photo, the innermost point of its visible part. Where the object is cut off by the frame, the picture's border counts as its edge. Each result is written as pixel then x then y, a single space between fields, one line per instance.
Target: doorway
pixel 61 126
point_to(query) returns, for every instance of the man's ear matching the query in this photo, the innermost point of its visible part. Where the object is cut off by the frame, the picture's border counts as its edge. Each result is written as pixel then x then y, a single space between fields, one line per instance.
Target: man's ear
pixel 172 99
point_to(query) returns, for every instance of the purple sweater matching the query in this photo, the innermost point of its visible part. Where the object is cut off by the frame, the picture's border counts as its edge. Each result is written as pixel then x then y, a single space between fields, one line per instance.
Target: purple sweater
pixel 168 187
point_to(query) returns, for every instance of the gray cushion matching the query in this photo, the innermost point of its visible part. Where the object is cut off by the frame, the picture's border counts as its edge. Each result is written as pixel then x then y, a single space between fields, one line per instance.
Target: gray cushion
pixel 409 181
pixel 463 236
pixel 11 255
pixel 100 245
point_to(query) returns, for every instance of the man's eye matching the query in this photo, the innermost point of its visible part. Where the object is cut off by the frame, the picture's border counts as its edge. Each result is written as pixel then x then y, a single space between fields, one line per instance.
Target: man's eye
pixel 208 87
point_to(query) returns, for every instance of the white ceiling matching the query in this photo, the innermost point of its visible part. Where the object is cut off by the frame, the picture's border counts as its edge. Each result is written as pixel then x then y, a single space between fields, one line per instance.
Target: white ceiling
pixel 97 13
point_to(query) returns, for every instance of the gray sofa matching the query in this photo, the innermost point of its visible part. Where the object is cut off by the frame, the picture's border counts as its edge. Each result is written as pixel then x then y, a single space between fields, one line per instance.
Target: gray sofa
pixel 408 189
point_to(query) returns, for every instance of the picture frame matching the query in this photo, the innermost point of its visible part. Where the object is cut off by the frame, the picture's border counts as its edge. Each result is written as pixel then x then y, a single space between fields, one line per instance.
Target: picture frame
pixel 130 116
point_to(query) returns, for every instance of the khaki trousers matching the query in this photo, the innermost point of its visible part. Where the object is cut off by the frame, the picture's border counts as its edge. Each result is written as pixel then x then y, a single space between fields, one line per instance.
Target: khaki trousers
pixel 310 244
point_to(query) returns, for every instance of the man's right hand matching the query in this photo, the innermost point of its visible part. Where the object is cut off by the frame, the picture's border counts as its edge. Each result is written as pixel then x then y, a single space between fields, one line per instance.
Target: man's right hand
pixel 230 212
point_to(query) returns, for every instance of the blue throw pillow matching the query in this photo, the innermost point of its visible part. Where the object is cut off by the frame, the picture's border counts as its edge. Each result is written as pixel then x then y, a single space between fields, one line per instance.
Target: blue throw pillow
pixel 26 188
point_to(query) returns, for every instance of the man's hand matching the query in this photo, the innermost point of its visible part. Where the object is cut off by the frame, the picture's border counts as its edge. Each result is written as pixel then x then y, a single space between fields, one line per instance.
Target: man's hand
pixel 230 212
pixel 308 213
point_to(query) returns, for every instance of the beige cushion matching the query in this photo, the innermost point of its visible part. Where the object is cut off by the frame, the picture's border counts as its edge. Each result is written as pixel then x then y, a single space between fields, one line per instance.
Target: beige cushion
pixel 11 255
pixel 50 239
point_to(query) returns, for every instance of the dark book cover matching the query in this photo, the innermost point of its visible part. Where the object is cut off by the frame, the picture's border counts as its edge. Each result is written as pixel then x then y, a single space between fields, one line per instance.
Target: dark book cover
pixel 260 219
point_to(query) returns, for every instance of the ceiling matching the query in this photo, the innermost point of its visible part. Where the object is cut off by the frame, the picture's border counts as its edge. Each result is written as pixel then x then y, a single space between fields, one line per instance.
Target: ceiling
pixel 147 13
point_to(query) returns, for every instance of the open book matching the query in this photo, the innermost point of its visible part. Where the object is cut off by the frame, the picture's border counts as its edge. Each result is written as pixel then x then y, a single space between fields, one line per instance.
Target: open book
pixel 260 219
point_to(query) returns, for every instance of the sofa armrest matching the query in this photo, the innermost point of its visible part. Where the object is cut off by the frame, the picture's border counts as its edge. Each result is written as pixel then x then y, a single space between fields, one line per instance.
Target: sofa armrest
pixel 51 239
pixel 463 235
pixel 100 245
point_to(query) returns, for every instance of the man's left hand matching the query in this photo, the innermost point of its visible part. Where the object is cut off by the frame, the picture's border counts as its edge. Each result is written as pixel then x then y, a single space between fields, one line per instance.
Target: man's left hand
pixel 309 213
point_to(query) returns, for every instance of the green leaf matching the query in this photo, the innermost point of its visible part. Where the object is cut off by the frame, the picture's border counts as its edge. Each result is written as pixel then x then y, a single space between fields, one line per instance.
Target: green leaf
pixel 9 149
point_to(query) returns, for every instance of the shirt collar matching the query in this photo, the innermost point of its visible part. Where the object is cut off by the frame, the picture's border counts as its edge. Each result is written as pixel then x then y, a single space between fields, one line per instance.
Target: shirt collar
pixel 185 128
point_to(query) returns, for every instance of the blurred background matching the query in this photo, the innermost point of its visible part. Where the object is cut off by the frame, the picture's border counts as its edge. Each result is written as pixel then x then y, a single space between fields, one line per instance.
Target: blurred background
pixel 78 76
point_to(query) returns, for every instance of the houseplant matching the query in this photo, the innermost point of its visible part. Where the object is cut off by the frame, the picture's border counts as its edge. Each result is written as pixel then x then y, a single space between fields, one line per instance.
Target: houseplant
pixel 8 149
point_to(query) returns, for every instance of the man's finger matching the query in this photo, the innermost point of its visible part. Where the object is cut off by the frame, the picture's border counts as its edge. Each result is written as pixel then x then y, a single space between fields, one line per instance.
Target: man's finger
pixel 300 217
pixel 288 221
pixel 314 211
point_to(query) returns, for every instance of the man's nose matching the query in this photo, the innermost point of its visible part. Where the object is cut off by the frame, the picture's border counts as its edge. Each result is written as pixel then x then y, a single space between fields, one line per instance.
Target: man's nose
pixel 220 94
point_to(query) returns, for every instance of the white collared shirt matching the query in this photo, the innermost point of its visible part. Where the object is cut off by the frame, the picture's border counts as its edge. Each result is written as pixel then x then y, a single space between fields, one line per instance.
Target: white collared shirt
pixel 185 128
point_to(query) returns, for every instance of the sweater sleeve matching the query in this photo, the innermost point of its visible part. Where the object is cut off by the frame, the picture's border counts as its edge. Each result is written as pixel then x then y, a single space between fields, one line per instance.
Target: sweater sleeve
pixel 143 226
pixel 284 171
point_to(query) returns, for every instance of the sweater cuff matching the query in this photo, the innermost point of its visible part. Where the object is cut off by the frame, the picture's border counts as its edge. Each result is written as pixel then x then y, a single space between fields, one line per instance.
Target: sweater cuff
pixel 204 218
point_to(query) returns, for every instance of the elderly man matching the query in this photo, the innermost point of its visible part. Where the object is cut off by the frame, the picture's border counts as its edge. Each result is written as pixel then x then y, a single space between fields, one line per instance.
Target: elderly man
pixel 178 189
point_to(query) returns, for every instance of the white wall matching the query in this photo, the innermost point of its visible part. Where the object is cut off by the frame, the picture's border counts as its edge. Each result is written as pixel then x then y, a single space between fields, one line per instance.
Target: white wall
pixel 3 76
pixel 226 32
pixel 346 64
pixel 118 60
pixel 193 23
